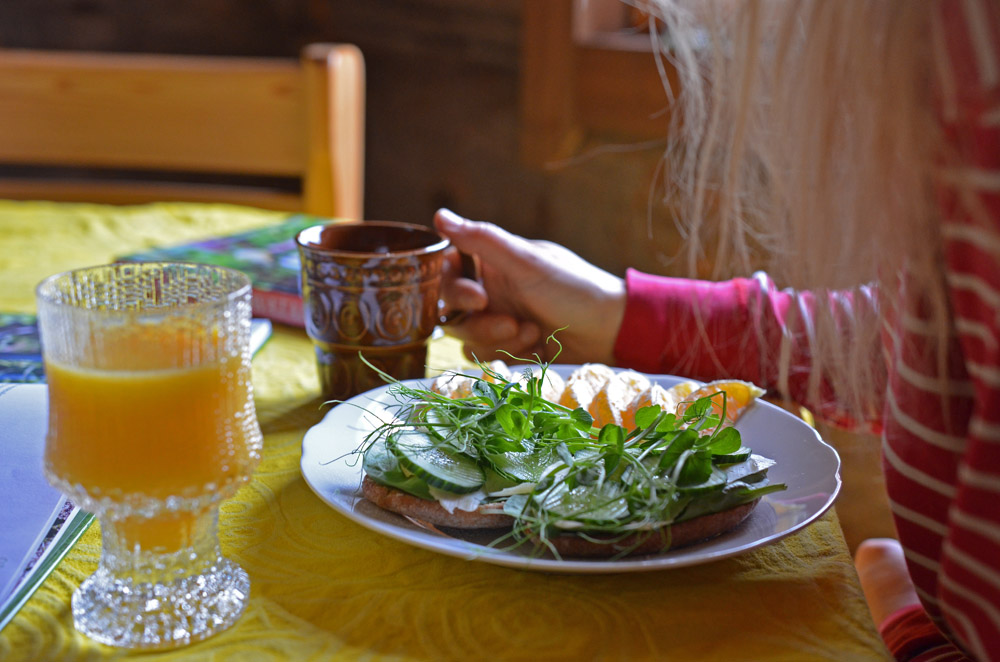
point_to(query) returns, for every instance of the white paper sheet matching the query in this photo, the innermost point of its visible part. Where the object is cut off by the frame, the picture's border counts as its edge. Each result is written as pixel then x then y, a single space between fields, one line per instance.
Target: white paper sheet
pixel 28 504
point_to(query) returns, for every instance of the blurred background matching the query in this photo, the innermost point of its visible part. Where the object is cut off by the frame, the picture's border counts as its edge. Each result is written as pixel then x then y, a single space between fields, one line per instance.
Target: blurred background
pixel 544 116
pixel 547 117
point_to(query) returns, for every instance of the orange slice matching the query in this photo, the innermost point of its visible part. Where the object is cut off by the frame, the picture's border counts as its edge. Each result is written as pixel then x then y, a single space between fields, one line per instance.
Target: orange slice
pixel 666 398
pixel 739 396
pixel 452 384
pixel 611 402
pixel 584 383
pixel 681 390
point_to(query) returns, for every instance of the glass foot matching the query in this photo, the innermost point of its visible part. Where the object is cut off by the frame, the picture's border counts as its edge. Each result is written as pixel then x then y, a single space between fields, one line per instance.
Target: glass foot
pixel 141 615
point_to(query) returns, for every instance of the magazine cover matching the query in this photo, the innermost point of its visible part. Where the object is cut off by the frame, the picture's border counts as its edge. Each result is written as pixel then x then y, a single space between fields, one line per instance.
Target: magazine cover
pixel 20 350
pixel 267 255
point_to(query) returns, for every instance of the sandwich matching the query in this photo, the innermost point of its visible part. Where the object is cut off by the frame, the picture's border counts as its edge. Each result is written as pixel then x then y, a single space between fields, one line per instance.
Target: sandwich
pixel 656 468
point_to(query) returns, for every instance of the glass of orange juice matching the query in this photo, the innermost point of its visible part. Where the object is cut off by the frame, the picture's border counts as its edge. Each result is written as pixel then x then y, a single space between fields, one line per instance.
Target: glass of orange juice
pixel 151 425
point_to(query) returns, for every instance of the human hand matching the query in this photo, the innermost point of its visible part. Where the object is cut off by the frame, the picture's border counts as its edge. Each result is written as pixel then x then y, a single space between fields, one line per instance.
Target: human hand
pixel 529 289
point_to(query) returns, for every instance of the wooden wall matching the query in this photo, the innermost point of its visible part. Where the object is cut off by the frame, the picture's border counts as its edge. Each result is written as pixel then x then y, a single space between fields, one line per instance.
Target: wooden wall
pixel 443 114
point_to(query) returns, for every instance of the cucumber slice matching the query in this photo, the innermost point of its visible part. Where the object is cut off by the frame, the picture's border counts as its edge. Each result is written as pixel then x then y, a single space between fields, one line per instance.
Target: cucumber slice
pixel 740 455
pixel 448 471
pixel 382 466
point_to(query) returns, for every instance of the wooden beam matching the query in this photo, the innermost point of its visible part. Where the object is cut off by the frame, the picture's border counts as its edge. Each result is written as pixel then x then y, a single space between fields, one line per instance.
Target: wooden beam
pixel 549 127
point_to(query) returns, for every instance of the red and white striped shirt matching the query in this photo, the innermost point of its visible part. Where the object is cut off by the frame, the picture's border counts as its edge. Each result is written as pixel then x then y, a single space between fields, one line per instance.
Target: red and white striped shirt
pixel 941 433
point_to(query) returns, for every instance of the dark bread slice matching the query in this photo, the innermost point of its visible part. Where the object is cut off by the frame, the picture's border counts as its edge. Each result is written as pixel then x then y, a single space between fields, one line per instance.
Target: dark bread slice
pixel 652 542
pixel 491 516
pixel 488 516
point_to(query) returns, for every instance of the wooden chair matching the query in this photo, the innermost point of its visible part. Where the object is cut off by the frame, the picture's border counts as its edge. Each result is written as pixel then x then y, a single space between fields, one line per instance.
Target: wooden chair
pixel 162 116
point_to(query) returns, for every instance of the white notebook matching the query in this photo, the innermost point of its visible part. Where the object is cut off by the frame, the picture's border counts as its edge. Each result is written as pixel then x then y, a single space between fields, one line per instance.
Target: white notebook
pixel 28 504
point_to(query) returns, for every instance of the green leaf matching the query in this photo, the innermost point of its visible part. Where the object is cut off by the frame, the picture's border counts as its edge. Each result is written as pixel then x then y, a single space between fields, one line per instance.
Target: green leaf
pixel 730 496
pixel 709 421
pixel 646 416
pixel 683 440
pixel 612 438
pixel 496 481
pixel 514 505
pixel 697 468
pixel 563 451
pixel 520 399
pixel 601 503
pixel 513 421
pixel 524 467
pixel 485 389
pixel 502 444
pixel 667 424
pixel 697 409
pixel 581 416
pixel 726 440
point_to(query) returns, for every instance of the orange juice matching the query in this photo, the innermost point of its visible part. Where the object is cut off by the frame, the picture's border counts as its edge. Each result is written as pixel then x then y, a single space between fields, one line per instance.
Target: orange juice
pixel 158 412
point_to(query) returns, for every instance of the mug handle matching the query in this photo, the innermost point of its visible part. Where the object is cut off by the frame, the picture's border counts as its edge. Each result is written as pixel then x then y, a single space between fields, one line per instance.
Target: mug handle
pixel 472 270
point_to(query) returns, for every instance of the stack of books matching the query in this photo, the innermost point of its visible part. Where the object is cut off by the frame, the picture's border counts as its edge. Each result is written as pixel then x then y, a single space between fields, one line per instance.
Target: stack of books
pixel 267 255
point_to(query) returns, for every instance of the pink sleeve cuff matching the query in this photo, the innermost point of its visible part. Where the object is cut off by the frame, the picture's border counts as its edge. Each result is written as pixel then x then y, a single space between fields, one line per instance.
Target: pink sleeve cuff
pixel 909 631
pixel 641 337
pixel 688 327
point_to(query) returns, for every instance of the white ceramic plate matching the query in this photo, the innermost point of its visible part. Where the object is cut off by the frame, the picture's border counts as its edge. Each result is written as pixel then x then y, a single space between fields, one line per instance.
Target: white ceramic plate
pixel 808 466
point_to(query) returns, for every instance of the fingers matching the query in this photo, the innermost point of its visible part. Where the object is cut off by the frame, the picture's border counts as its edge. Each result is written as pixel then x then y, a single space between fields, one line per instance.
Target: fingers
pixel 485 329
pixel 461 289
pixel 483 334
pixel 476 238
pixel 464 294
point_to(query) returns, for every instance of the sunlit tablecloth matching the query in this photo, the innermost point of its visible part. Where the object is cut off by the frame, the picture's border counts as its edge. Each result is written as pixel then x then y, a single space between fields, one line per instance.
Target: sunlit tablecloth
pixel 324 588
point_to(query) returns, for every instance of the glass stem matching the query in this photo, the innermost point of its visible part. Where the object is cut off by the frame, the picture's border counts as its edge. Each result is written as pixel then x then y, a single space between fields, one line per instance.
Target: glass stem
pixel 163 549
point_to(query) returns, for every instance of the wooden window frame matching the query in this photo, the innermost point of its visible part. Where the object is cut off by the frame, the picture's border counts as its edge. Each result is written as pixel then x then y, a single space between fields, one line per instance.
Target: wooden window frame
pixel 579 78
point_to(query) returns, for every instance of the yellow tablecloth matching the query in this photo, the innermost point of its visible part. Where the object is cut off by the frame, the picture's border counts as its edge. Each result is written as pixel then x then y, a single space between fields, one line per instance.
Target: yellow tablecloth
pixel 324 588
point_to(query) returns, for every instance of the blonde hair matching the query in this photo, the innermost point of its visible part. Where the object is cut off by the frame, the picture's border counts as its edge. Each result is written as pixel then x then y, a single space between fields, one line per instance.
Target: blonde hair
pixel 804 143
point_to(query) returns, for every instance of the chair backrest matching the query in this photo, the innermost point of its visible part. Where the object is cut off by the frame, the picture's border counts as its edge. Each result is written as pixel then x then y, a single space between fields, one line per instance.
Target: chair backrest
pixel 145 115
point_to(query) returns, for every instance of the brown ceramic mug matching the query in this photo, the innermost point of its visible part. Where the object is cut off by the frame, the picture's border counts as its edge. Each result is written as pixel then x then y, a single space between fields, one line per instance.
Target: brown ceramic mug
pixel 370 288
